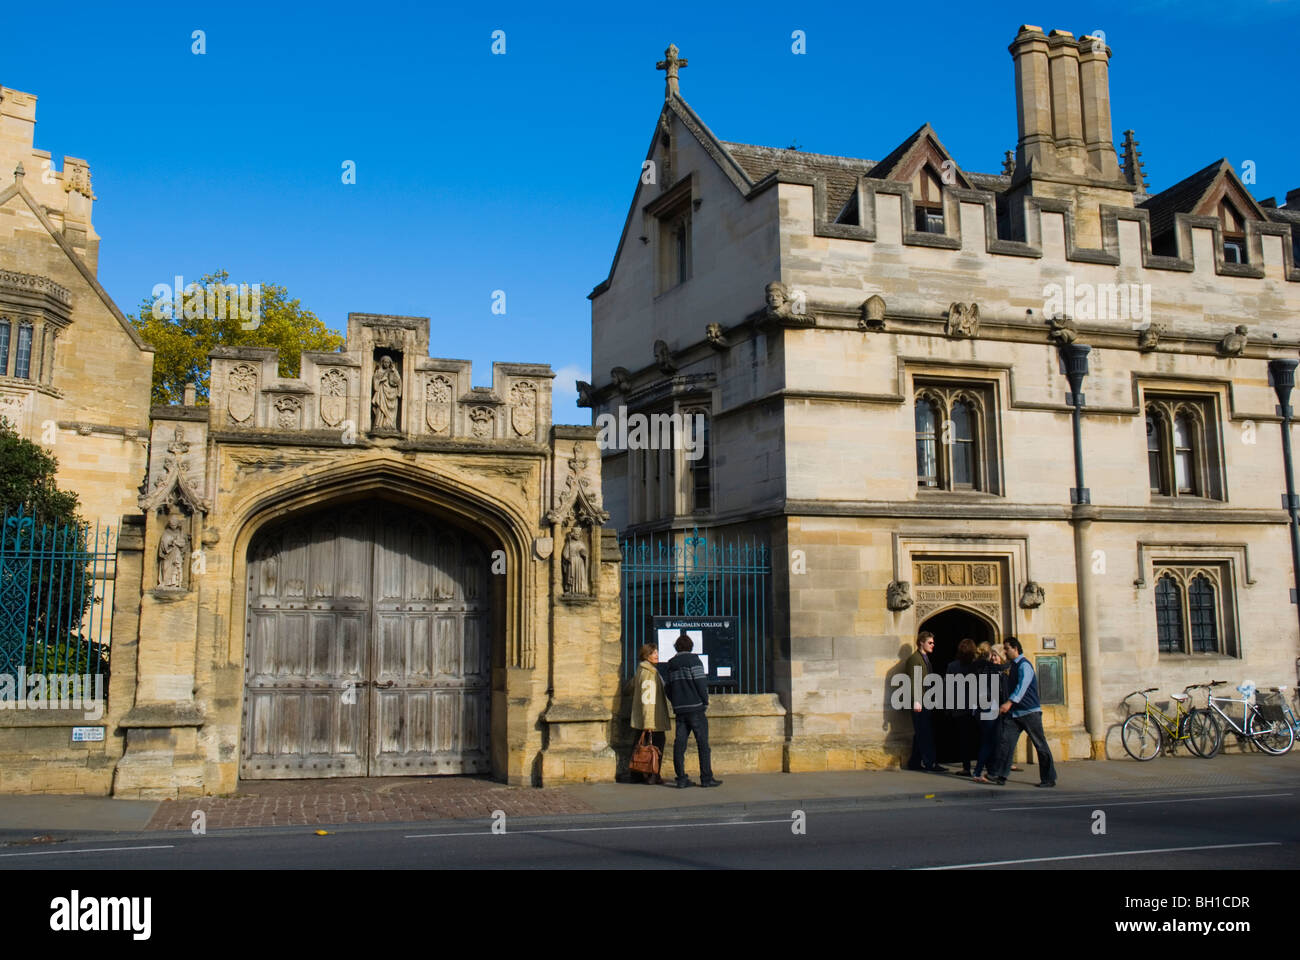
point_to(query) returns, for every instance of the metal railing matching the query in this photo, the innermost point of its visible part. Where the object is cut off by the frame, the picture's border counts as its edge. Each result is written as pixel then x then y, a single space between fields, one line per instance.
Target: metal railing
pixel 675 574
pixel 55 595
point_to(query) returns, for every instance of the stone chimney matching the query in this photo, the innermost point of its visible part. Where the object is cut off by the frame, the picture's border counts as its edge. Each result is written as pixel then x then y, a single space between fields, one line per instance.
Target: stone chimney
pixel 1065 149
pixel 1094 91
pixel 1293 199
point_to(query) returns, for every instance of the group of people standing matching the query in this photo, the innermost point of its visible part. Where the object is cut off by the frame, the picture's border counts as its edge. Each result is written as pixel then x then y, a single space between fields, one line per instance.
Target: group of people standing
pixel 990 742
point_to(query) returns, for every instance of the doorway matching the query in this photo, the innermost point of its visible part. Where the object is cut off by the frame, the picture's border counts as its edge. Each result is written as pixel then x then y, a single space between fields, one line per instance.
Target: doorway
pixel 949 628
pixel 369 647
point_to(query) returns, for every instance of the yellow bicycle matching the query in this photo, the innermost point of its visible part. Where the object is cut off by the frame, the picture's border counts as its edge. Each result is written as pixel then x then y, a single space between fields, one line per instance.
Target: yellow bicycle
pixel 1145 734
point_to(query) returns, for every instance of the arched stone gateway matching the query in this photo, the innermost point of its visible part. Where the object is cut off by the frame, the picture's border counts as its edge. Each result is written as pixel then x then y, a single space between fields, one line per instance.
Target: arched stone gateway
pixel 379 584
pixel 370 633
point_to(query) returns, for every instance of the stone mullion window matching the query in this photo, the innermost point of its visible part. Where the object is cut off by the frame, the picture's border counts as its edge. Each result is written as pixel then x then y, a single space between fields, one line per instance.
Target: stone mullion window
pixel 6 332
pixel 1192 613
pixel 23 351
pixel 953 440
pixel 700 489
pixel 1180 449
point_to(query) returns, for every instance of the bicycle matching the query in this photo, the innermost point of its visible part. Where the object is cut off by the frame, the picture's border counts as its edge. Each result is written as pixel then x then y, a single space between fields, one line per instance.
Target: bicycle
pixel 1273 736
pixel 1145 734
pixel 1274 704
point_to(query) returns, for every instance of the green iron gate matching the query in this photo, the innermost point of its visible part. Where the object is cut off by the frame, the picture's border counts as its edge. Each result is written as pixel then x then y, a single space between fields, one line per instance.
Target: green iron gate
pixel 52 595
pixel 664 576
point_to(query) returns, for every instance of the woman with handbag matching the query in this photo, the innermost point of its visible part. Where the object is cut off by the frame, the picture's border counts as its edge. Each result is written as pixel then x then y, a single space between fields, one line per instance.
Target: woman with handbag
pixel 649 716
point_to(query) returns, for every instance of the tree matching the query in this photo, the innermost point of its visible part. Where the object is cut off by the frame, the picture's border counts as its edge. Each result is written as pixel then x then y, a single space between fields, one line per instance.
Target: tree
pixel 44 570
pixel 182 345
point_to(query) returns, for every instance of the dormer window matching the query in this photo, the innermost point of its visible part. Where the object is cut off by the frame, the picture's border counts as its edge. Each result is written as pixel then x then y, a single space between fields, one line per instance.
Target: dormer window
pixel 927 195
pixel 1233 226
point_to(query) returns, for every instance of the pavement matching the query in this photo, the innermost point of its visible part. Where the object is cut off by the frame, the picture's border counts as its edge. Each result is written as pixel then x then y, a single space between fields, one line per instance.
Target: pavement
pixel 24 819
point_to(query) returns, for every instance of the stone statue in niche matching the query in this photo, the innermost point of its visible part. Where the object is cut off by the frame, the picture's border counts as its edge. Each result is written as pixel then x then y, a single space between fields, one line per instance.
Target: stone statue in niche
pixel 387 390
pixel 573 564
pixel 173 552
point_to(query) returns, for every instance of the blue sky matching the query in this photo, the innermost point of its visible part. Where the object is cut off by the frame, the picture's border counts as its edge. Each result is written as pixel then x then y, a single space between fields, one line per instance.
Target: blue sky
pixel 477 172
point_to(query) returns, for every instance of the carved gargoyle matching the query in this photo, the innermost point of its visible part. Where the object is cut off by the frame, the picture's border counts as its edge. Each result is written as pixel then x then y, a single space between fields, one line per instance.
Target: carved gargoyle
pixel 664 358
pixel 963 320
pixel 1149 338
pixel 622 378
pixel 898 595
pixel 872 313
pixel 1234 344
pixel 714 337
pixel 1031 597
pixel 1062 331
pixel 586 393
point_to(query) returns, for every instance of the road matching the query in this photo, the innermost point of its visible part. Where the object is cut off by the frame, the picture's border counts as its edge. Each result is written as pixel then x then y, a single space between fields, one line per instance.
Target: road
pixel 1202 829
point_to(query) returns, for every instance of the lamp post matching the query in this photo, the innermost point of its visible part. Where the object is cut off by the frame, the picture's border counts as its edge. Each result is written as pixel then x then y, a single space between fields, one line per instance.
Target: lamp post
pixel 1282 373
pixel 1075 358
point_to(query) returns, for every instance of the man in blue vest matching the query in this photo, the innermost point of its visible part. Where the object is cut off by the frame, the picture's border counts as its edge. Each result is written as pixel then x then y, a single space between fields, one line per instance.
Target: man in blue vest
pixel 1026 714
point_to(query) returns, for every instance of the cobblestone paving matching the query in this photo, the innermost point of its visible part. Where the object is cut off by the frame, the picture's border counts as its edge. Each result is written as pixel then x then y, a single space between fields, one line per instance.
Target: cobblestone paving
pixel 363 800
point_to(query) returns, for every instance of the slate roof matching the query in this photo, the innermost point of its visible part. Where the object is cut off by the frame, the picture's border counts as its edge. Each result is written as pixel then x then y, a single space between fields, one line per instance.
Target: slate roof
pixel 841 173
pixel 1182 197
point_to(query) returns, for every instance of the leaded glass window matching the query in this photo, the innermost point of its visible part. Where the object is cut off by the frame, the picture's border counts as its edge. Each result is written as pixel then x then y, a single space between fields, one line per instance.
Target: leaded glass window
pixel 927 461
pixel 1204 619
pixel 1169 615
pixel 5 329
pixel 23 355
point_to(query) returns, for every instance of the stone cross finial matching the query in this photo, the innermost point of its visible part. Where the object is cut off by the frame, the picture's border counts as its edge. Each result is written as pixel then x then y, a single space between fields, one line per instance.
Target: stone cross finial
pixel 670 65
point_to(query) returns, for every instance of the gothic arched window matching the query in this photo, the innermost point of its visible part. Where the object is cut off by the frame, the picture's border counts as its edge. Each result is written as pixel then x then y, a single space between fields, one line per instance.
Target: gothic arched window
pixel 1193 610
pixel 1182 452
pixel 954 438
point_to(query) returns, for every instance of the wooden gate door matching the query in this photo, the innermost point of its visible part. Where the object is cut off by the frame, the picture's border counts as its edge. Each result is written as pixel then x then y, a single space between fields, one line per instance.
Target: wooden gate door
pixel 368 647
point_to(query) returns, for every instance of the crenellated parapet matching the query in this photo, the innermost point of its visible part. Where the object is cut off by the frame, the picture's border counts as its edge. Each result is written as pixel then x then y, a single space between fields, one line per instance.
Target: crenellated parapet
pixel 382 386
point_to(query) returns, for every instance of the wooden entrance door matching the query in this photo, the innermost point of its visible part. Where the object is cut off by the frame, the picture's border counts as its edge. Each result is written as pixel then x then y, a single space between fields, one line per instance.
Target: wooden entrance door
pixel 368 647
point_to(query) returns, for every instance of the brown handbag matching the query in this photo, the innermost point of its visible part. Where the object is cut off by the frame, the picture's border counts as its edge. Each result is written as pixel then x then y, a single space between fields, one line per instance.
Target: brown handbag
pixel 645 756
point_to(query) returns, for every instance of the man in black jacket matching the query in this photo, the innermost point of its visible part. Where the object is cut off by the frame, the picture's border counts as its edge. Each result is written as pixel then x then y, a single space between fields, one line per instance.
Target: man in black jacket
pixel 688 689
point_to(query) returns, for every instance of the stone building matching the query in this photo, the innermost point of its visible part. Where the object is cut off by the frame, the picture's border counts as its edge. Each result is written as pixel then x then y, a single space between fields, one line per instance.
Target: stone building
pixel 879 349
pixel 90 403
pixel 373 568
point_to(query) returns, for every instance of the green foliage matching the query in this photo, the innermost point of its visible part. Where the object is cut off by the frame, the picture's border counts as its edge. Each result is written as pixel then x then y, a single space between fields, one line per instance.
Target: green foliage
pixel 181 346
pixel 59 589
pixel 27 480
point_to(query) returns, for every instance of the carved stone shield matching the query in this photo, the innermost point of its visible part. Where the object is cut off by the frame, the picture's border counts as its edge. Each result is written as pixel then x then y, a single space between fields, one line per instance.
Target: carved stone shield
pixel 437 404
pixel 333 398
pixel 523 413
pixel 241 392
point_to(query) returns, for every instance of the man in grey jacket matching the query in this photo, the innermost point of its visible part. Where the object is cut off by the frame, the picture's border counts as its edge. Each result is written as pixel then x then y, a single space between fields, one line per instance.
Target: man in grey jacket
pixel 688 689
